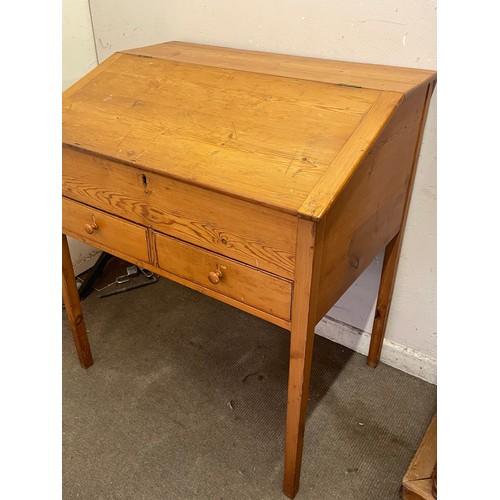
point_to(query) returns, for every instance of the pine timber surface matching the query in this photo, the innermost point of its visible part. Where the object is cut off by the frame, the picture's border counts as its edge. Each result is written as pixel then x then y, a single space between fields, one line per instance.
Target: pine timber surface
pixel 393 249
pixel 73 308
pixel 258 137
pixel 245 231
pixel 266 181
pixel 304 306
pixel 243 283
pixel 368 212
pixel 370 76
pixel 418 480
pixel 108 231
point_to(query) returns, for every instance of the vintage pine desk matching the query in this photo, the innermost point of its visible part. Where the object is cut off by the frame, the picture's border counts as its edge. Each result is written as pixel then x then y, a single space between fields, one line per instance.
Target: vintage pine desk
pixel 266 181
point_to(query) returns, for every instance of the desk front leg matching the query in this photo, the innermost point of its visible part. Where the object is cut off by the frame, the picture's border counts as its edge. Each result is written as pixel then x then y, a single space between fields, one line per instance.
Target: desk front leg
pixel 74 308
pixel 304 309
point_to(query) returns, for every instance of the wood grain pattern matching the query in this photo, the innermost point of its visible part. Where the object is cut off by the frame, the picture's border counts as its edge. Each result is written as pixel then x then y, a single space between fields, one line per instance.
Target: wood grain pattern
pixel 392 253
pixel 242 283
pixel 342 168
pixel 304 306
pixel 384 297
pixel 372 76
pixel 253 234
pixel 74 308
pixel 258 137
pixel 367 213
pixel 418 490
pixel 151 243
pixel 111 231
pixel 82 82
pixel 424 460
pixel 418 481
pixel 257 293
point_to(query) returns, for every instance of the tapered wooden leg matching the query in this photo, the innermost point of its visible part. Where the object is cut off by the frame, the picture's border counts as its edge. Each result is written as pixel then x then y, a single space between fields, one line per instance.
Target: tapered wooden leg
pixel 387 280
pixel 304 308
pixel 301 348
pixel 73 307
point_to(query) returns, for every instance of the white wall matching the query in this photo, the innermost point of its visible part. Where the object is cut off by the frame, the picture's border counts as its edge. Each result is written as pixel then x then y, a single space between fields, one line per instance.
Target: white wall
pixel 390 32
pixel 78 58
pixel 78 51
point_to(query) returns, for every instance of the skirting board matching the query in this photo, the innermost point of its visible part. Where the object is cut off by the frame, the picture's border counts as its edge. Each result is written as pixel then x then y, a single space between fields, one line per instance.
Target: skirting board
pixel 393 354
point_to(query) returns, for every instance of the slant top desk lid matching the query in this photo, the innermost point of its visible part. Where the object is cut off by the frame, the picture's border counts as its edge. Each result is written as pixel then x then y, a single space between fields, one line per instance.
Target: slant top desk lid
pixel 283 131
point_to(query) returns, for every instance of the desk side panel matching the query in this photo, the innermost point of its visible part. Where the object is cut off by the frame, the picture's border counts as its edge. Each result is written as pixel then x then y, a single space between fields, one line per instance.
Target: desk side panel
pixel 369 211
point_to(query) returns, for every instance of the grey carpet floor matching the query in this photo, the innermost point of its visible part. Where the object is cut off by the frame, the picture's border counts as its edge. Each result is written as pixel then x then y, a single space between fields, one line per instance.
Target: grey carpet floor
pixel 186 400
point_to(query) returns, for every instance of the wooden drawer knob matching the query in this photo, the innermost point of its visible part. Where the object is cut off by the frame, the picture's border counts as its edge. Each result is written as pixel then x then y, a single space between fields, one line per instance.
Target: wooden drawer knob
pixel 215 276
pixel 90 227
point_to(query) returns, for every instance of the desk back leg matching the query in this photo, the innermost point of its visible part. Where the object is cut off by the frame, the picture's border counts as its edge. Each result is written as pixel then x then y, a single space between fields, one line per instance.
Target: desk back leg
pixel 304 311
pixel 74 308
pixel 387 279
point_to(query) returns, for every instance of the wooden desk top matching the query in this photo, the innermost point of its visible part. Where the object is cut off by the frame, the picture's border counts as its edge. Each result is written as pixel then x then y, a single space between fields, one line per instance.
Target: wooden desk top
pixel 285 132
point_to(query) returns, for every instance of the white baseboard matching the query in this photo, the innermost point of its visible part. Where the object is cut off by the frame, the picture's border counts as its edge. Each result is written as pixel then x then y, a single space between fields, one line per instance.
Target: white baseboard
pixel 393 354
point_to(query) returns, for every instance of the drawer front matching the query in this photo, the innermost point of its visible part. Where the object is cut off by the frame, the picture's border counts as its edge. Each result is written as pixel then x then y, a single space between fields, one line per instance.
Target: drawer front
pixel 259 236
pixel 104 231
pixel 245 284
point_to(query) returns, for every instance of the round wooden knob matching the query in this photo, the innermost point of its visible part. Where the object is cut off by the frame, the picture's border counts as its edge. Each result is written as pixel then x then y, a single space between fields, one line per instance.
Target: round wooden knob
pixel 215 276
pixel 90 227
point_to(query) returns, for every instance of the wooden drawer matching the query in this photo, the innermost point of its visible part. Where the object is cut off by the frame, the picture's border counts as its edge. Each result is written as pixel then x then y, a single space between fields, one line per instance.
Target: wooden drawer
pixel 256 235
pixel 242 283
pixel 105 231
